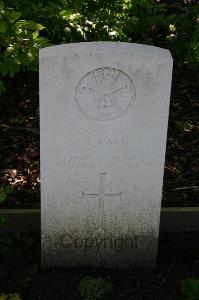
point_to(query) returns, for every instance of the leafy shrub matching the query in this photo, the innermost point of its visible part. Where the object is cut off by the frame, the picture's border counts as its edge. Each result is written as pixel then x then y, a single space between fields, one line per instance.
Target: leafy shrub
pixel 190 288
pixel 94 288
pixel 59 18
pixel 103 20
pixel 19 44
pixel 168 25
pixel 183 38
pixel 14 296
pixel 26 26
pixel 146 21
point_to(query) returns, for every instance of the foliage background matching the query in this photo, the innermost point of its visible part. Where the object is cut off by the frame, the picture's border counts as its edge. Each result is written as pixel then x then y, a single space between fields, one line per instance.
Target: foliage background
pixel 27 25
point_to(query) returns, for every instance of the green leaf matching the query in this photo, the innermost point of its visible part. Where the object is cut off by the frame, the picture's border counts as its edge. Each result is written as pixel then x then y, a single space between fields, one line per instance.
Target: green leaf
pixel 33 26
pixel 29 25
pixel 35 34
pixel 3 26
pixel 65 14
pixel 14 15
pixel 42 41
pixel 39 27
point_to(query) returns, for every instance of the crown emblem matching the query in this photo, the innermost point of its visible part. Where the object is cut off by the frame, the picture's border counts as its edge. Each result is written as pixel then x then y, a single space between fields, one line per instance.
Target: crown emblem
pixel 105 75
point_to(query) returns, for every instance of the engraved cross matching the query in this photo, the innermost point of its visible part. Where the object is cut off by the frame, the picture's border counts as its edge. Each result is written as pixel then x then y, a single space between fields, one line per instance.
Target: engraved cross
pixel 102 197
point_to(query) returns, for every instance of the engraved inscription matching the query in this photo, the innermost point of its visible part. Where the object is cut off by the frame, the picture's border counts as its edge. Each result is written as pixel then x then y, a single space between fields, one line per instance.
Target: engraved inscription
pixel 102 197
pixel 105 93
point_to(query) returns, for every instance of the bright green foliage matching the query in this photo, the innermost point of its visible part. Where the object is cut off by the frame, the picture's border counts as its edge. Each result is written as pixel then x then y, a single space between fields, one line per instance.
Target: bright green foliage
pixel 14 296
pixel 20 42
pixel 94 288
pixel 27 25
pixel 123 20
pixel 58 17
pixel 174 26
pixel 103 20
pixel 190 288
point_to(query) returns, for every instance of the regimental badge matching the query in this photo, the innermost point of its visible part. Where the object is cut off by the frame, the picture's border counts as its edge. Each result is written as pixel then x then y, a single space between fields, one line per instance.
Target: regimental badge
pixel 105 93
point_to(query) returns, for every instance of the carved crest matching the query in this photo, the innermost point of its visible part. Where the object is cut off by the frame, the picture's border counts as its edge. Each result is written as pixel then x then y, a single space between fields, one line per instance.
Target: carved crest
pixel 105 93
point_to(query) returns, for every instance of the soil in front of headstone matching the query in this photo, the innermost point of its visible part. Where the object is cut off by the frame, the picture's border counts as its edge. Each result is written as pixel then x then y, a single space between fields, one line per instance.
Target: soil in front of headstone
pixel 178 258
pixel 19 140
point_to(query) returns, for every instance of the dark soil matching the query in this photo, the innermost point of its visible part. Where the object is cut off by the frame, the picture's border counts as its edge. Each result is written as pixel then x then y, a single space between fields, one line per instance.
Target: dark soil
pixel 178 259
pixel 19 147
pixel 181 175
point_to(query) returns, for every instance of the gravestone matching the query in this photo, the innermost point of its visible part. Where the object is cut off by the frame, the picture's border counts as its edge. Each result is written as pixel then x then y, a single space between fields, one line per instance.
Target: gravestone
pixel 104 112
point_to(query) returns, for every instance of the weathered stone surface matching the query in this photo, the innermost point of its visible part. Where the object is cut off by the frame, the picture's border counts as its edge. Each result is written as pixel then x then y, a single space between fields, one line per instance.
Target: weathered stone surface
pixel 104 112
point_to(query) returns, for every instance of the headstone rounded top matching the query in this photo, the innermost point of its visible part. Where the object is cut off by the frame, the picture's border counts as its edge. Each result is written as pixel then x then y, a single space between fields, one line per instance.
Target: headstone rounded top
pixel 138 49
pixel 105 93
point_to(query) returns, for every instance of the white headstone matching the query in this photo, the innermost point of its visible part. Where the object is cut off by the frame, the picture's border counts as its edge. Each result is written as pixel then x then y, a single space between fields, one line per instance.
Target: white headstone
pixel 104 112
